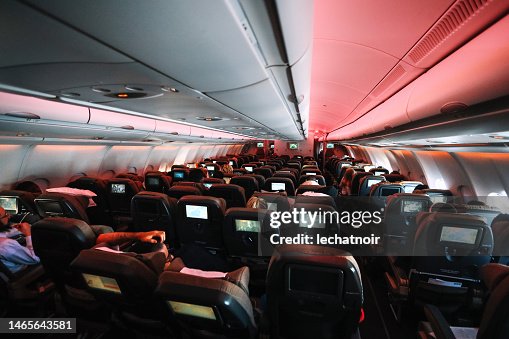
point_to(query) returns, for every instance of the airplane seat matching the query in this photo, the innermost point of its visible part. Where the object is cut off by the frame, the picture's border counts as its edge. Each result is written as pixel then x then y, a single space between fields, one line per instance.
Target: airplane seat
pixel 400 221
pixel 318 199
pixel 275 201
pixel 62 205
pixel 213 181
pixel 157 182
pixel 296 172
pixel 200 221
pixel 318 178
pixel 289 175
pixel 57 242
pixel 449 250
pixel 438 195
pixel 198 185
pixel 239 171
pixel 308 188
pixel 250 184
pixel 266 172
pixel 99 214
pixel 246 232
pixel 500 229
pixel 180 191
pixel 137 179
pixel 216 307
pixel 366 182
pixel 20 204
pixel 277 164
pixel 259 178
pixel 27 186
pixel 120 192
pixel 409 186
pixel 310 162
pixel 443 207
pixel 182 174
pixel 294 165
pixel 394 177
pixel 313 292
pixel 494 322
pixel 354 188
pixel 379 193
pixel 276 184
pixel 325 223
pixel 487 212
pixel 155 211
pixel 379 171
pixel 126 281
pixel 233 195
pixel 311 168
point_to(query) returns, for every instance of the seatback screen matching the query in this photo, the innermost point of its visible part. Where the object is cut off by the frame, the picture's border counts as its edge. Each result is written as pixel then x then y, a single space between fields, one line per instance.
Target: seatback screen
pixel 9 204
pixel 196 212
pixel 210 168
pixel 259 144
pixel 379 172
pixel 277 186
pixel 242 225
pixel 459 235
pixel 412 206
pixel 102 283
pixel 152 181
pixel 330 145
pixel 118 188
pixel 249 168
pixel 51 207
pixel 371 182
pixel 178 175
pixel 193 310
pixel 207 184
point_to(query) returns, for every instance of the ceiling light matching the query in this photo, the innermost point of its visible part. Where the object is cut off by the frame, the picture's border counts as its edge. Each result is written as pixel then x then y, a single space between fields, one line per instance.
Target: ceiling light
pixel 133 89
pixel 70 94
pixel 125 95
pixel 209 118
pixel 169 89
pixel 101 90
pixel 22 134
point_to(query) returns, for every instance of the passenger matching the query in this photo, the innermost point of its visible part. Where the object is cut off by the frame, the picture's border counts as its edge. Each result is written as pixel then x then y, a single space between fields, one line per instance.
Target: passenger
pixel 346 183
pixel 197 174
pixel 255 202
pixel 16 256
pixel 312 180
pixel 329 188
pixel 12 254
pixel 227 168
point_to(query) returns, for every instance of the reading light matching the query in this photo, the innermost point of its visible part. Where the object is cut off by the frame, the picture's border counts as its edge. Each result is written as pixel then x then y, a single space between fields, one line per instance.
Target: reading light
pixel 122 95
pixel 125 95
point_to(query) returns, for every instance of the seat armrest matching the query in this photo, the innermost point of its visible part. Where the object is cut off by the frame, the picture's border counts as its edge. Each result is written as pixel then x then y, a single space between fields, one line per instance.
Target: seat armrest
pixel 438 323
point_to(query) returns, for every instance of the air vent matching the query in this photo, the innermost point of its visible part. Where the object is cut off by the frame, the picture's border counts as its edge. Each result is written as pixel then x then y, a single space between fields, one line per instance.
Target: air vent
pixel 128 127
pixel 396 73
pixel 455 17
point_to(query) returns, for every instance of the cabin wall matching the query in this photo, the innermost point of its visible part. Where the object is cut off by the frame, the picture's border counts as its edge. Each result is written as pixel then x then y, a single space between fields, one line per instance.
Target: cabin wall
pixel 56 165
pixel 472 175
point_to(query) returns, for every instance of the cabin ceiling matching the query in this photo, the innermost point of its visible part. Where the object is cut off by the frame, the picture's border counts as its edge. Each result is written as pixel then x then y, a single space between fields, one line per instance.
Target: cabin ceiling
pixel 277 69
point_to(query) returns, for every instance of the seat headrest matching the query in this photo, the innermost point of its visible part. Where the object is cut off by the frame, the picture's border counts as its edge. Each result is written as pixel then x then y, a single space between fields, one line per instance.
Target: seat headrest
pixel 493 274
pixel 214 202
pixel 77 232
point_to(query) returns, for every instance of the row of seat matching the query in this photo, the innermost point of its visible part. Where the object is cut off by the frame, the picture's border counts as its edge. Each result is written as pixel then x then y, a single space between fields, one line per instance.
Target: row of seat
pixel 309 290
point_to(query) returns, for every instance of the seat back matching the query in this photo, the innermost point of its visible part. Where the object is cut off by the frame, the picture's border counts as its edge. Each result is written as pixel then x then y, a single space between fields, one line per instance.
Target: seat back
pixel 400 222
pixel 319 199
pixel 394 177
pixel 266 172
pixel 62 205
pixel 57 241
pixel 366 182
pixel 379 171
pixel 249 183
pixel 276 184
pixel 207 307
pixel 200 221
pixel 234 195
pixel 313 292
pixel 318 178
pixel 275 201
pixel 246 232
pixel 101 213
pixel 155 211
pixel 356 182
pixel 19 203
pixel 316 219
pixel 180 174
pixel 120 193
pixel 157 182
pixel 178 191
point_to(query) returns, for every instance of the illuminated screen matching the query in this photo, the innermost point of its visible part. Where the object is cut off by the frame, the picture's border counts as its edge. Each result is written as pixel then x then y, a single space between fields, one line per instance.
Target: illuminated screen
pixel 196 212
pixel 271 146
pixel 284 171
pixel 102 283
pixel 277 186
pixel 153 181
pixel 346 165
pixel 247 225
pixel 293 146
pixel 249 168
pixel 118 188
pixel 369 167
pixel 409 188
pixel 410 206
pixel 311 173
pixel 231 163
pixel 214 161
pixel 379 172
pixel 314 280
pixel 306 222
pixel 385 192
pixel 210 168
pixel 192 310
pixel 372 182
pixel 259 144
pixel 438 198
pixel 178 175
pixel 207 184
pixel 330 145
pixel 191 165
pixel 459 235
pixel 10 204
